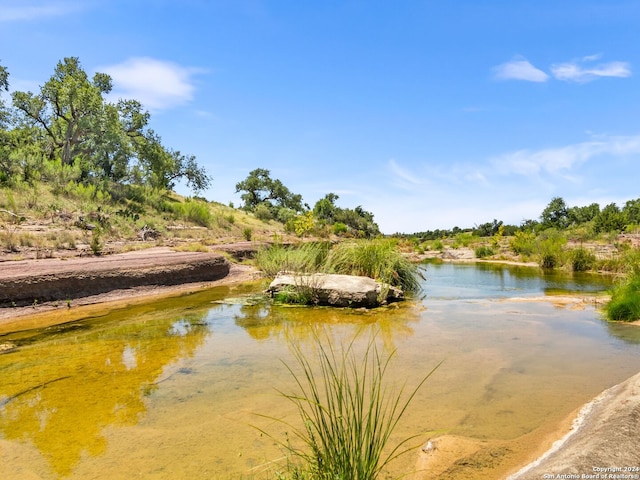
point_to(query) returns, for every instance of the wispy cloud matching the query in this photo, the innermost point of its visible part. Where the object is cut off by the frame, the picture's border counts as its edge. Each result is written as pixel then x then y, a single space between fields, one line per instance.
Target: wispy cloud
pixel 28 11
pixel 561 160
pixel 403 177
pixel 157 84
pixel 581 72
pixel 519 69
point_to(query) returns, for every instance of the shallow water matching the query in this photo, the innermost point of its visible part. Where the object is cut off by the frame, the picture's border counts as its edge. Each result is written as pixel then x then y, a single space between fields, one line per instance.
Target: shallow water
pixel 175 389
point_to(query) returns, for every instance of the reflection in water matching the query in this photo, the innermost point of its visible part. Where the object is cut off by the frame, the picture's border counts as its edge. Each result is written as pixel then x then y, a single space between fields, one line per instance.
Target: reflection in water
pixel 294 322
pixel 62 392
pixel 170 389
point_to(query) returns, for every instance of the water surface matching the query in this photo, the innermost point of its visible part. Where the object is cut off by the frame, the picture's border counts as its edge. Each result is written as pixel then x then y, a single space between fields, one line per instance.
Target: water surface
pixel 174 389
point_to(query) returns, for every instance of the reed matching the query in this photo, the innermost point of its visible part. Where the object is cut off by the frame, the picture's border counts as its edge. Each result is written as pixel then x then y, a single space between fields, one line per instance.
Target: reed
pixel 305 258
pixel 348 411
pixel 379 259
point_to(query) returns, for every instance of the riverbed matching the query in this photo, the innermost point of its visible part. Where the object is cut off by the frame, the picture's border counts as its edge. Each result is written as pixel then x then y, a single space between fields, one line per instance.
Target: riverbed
pixel 176 388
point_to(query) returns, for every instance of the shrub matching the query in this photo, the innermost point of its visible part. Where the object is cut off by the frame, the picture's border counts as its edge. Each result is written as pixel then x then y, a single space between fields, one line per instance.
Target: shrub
pixel 523 243
pixel 625 300
pixel 550 249
pixel 247 233
pixel 96 244
pixel 339 228
pixel 484 251
pixel 582 259
pixel 464 239
pixel 263 212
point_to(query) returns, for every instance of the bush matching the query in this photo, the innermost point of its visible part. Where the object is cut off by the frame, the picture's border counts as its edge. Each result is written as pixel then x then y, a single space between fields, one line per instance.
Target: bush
pixel 523 243
pixel 263 212
pixel 464 239
pixel 339 228
pixel 550 249
pixel 582 259
pixel 625 301
pixel 484 251
pixel 625 297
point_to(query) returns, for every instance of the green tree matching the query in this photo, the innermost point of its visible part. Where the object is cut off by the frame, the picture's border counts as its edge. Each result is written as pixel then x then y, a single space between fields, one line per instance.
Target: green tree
pixel 4 85
pixel 580 215
pixel 69 108
pixel 260 189
pixel 71 122
pixel 610 219
pixel 631 211
pixel 555 214
pixel 325 208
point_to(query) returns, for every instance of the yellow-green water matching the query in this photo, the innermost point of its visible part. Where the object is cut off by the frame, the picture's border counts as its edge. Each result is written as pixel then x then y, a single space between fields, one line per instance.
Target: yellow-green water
pixel 175 389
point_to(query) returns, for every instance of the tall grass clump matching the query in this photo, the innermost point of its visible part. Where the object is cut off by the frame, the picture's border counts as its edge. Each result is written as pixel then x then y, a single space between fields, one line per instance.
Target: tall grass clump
pixel 305 258
pixel 196 212
pixel 625 296
pixel 348 411
pixel 378 259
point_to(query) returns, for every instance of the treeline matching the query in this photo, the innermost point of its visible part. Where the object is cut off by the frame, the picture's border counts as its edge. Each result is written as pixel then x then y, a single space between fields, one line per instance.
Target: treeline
pixel 67 134
pixel 269 199
pixel 586 221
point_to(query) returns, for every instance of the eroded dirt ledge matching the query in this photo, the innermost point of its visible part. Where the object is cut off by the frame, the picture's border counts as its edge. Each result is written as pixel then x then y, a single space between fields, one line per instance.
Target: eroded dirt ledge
pixel 35 281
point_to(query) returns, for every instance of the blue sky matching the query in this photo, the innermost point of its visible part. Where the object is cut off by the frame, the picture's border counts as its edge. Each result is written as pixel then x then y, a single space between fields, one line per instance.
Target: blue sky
pixel 430 114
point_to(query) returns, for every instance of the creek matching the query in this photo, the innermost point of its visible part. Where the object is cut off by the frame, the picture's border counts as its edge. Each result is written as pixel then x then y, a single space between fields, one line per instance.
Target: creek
pixel 175 389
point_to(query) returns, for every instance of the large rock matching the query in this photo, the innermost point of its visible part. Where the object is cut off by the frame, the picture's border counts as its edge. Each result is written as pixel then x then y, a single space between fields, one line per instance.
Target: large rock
pixel 336 290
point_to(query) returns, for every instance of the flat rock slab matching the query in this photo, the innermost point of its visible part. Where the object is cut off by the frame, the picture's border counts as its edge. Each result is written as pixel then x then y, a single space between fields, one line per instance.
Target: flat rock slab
pixel 24 282
pixel 337 290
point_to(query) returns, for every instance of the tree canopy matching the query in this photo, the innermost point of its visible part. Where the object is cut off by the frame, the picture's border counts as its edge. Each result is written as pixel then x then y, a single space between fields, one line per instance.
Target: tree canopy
pixel 69 123
pixel 260 189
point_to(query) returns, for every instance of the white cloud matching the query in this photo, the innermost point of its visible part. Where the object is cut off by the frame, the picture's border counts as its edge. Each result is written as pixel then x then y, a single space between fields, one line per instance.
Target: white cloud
pixel 561 160
pixel 27 11
pixel 157 84
pixel 575 72
pixel 579 71
pixel 519 69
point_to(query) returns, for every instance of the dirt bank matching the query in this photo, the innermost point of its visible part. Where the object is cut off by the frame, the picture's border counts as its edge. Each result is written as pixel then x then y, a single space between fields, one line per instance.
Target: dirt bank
pixel 31 287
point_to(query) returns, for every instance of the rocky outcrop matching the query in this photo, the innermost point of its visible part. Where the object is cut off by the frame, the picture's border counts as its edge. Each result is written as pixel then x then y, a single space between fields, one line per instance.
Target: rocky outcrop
pixel 29 282
pixel 603 442
pixel 336 290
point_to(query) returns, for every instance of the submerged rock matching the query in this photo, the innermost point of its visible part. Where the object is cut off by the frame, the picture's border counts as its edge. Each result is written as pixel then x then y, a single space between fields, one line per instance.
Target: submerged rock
pixel 335 290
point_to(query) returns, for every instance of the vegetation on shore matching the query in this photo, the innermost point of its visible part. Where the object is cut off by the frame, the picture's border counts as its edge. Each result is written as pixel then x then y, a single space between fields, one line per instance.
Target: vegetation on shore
pixel 379 259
